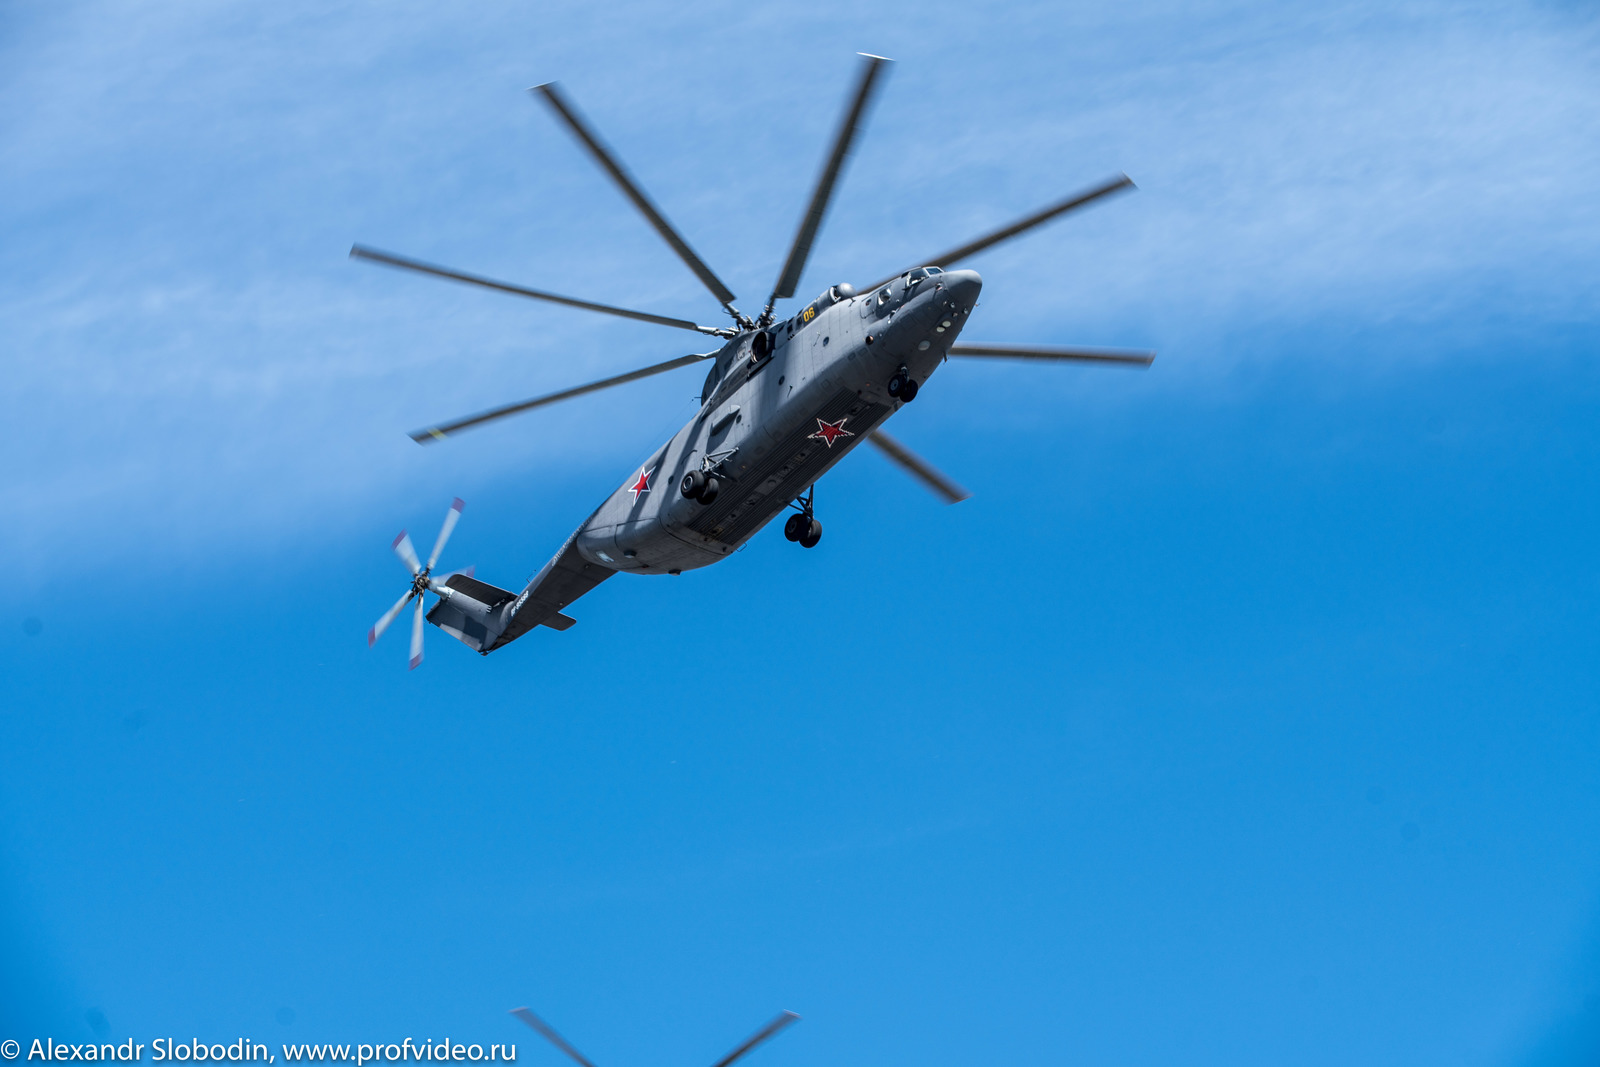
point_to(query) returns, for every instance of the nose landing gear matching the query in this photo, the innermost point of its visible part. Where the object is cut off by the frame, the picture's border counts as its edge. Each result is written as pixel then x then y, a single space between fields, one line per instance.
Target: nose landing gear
pixel 804 528
pixel 902 386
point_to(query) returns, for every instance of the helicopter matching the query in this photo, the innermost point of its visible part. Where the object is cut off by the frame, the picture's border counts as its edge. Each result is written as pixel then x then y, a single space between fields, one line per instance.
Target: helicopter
pixel 783 402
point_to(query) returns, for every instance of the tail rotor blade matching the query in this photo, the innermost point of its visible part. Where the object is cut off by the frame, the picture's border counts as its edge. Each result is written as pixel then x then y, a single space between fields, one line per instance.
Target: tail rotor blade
pixel 388 617
pixel 548 1032
pixel 408 555
pixel 416 636
pixel 451 517
pixel 782 1020
pixel 918 468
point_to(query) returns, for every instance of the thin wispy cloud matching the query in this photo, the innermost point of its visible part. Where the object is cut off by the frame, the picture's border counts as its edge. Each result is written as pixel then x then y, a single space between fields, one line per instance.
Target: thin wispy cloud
pixel 187 348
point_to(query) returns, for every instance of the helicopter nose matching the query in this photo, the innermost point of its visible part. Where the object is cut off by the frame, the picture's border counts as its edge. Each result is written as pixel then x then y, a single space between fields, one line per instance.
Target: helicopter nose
pixel 963 285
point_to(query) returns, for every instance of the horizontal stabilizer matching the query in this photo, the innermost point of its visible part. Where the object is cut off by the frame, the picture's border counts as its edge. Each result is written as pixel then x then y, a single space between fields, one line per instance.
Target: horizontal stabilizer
pixel 496 597
pixel 484 593
pixel 475 618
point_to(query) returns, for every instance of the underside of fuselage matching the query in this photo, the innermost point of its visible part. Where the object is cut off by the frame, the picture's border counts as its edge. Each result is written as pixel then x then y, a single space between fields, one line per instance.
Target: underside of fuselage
pixel 772 423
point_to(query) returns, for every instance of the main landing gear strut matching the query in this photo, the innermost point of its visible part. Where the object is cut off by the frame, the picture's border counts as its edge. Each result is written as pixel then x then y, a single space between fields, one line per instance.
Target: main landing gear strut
pixel 804 527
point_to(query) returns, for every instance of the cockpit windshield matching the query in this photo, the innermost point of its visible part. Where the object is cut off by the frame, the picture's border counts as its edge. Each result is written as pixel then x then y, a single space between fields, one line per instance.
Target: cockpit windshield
pixel 913 277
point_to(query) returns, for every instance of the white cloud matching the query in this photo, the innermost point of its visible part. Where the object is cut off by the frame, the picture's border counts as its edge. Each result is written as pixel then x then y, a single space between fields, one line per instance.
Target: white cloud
pixel 191 361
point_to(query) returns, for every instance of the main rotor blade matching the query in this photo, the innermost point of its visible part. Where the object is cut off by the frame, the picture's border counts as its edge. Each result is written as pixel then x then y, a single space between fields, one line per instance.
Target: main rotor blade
pixel 388 617
pixel 630 188
pixel 811 221
pixel 1022 225
pixel 439 433
pixel 778 1023
pixel 389 259
pixel 549 1034
pixel 416 637
pixel 918 468
pixel 408 555
pixel 451 517
pixel 1129 357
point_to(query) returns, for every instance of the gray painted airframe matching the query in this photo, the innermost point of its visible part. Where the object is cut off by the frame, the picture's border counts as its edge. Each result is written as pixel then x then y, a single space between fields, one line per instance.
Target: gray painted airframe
pixel 783 402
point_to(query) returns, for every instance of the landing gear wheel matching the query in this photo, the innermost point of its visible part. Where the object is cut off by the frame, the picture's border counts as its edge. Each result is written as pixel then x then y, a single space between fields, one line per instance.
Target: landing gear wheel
pixel 896 385
pixel 713 487
pixel 693 484
pixel 804 527
pixel 908 391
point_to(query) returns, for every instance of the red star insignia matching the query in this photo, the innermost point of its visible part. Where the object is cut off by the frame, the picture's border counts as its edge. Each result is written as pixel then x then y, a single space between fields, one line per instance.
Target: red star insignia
pixel 829 432
pixel 643 484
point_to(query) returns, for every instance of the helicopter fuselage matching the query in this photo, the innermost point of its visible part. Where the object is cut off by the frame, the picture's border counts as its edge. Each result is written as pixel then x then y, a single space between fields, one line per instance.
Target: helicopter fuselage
pixel 775 416
pixel 782 404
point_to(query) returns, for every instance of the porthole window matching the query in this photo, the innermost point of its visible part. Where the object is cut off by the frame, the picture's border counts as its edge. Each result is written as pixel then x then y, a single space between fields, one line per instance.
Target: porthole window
pixel 824 342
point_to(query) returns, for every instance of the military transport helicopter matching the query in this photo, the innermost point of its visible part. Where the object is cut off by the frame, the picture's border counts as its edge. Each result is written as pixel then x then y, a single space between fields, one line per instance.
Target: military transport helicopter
pixel 782 403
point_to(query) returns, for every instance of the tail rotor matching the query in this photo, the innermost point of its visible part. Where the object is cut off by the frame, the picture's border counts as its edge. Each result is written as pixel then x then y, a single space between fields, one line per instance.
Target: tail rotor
pixel 421 582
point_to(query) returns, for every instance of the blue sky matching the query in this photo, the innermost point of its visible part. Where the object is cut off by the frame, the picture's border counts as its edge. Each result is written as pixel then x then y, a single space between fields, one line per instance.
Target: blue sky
pixel 1246 714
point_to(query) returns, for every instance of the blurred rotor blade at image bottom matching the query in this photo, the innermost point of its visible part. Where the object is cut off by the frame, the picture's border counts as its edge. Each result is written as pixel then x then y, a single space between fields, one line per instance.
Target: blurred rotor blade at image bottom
pixel 440 432
pixel 548 1032
pixel 918 468
pixel 1124 356
pixel 778 1023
